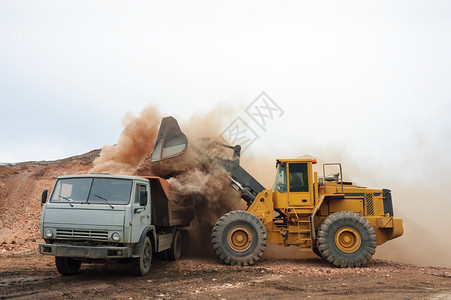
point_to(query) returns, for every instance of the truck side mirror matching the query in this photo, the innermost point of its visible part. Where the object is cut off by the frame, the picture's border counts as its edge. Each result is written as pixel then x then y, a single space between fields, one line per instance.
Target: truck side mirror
pixel 143 198
pixel 44 196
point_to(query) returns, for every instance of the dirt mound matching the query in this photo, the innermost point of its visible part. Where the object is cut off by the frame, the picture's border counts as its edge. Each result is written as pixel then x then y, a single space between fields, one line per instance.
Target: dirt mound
pixel 21 186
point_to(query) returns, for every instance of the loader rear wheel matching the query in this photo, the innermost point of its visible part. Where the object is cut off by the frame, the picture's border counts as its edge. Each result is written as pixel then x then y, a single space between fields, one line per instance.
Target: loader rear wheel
pixel 239 238
pixel 346 239
pixel 67 265
pixel 175 252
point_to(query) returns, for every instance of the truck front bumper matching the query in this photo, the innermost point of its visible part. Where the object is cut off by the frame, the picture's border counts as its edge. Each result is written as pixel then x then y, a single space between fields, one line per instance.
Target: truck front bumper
pixel 65 250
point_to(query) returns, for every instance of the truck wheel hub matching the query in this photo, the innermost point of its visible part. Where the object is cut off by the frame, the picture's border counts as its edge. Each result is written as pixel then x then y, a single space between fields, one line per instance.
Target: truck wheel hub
pixel 348 239
pixel 239 238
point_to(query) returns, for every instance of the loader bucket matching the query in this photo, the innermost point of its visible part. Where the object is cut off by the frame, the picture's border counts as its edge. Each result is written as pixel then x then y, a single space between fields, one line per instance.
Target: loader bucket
pixel 170 140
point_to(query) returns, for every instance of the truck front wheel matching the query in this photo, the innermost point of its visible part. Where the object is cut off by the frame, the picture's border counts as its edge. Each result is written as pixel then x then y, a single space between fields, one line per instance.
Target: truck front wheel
pixel 141 264
pixel 67 265
pixel 239 238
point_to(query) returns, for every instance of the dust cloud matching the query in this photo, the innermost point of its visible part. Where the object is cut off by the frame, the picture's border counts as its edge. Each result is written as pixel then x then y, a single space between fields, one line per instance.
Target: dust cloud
pixel 425 213
pixel 135 142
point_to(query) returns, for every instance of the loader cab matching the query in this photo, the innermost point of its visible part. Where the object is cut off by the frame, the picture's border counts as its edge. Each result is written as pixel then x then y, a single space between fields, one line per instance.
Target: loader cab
pixel 294 182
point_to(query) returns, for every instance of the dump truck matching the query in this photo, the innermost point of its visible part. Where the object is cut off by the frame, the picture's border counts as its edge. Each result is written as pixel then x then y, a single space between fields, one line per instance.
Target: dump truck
pixel 104 218
pixel 336 219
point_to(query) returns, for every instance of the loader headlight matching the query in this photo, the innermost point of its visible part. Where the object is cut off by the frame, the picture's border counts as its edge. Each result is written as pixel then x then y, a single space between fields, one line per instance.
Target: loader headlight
pixel 49 233
pixel 115 236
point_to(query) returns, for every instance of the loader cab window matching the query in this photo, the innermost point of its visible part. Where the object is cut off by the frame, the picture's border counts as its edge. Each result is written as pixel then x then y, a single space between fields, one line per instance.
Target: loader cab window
pixel 280 184
pixel 298 177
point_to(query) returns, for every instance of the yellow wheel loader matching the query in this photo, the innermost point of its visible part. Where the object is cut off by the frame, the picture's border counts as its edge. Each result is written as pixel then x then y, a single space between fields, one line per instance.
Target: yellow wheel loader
pixel 339 221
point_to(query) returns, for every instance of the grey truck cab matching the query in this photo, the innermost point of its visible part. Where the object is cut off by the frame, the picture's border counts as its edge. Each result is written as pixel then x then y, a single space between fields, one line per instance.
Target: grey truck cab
pixel 102 217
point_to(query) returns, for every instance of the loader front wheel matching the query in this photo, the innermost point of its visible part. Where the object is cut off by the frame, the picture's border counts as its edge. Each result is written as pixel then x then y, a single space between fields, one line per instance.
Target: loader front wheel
pixel 346 239
pixel 239 238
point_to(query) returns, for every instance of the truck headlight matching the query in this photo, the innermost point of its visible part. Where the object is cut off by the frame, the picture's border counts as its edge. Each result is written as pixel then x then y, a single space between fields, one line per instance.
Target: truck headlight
pixel 115 236
pixel 49 233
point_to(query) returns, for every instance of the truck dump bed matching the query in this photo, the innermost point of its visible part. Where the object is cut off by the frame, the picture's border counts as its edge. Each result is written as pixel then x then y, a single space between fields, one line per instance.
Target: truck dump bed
pixel 164 212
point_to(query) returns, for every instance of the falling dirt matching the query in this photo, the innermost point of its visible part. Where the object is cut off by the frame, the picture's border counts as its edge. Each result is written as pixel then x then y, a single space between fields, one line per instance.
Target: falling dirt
pixel 135 142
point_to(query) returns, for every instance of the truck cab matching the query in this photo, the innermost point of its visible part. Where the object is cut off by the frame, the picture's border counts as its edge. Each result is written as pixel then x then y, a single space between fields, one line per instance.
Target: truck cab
pixel 103 217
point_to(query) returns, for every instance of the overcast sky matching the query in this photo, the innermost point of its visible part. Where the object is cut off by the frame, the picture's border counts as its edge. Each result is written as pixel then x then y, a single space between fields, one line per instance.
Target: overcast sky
pixel 367 79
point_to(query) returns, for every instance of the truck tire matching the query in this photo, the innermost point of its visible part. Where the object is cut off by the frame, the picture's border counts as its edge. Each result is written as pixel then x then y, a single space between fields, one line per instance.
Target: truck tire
pixel 175 252
pixel 141 265
pixel 66 265
pixel 346 239
pixel 239 238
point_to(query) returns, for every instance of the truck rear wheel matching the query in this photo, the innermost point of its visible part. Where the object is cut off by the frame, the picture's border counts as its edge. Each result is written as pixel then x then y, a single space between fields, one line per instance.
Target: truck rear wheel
pixel 141 265
pixel 67 265
pixel 175 252
pixel 239 238
pixel 346 239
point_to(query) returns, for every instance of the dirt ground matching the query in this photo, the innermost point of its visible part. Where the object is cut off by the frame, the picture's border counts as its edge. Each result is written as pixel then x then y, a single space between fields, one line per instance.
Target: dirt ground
pixel 33 276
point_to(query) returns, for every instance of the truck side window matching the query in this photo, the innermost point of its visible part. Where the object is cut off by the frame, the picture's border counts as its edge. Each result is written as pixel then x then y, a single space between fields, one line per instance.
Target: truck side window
pixel 298 177
pixel 139 188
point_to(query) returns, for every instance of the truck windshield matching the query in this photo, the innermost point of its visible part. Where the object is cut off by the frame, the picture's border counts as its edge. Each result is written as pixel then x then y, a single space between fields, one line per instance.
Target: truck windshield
pixel 92 190
pixel 280 184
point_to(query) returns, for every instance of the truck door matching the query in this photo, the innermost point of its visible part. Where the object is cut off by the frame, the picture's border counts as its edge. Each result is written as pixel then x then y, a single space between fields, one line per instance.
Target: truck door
pixel 299 184
pixel 141 214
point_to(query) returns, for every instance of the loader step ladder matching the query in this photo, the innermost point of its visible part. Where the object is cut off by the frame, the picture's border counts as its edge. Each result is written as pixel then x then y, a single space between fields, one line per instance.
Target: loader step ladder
pixel 304 229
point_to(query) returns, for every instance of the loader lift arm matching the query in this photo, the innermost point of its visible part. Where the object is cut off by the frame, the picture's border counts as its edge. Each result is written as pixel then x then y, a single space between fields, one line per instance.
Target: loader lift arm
pixel 241 180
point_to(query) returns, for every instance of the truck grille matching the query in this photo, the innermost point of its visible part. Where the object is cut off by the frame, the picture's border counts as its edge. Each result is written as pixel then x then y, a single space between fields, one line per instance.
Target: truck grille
pixel 99 235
